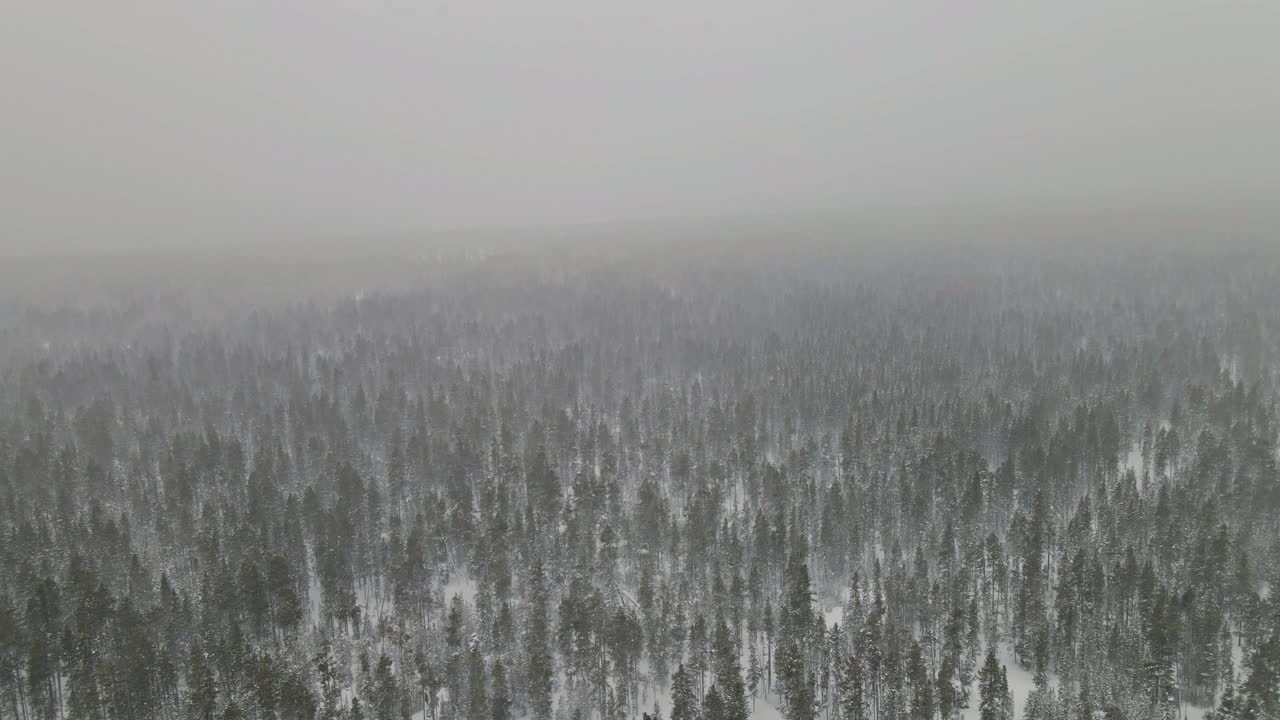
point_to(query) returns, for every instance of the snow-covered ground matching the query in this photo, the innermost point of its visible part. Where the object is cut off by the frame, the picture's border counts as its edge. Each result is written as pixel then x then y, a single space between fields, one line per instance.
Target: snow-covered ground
pixel 1021 682
pixel 458 584
pixel 763 709
pixel 1133 459
pixel 833 615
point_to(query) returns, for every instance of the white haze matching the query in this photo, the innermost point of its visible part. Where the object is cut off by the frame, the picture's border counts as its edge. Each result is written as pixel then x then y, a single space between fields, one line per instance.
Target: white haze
pixel 142 120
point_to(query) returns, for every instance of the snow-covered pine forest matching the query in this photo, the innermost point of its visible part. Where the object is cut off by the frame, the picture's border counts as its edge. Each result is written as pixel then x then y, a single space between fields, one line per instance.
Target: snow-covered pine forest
pixel 810 483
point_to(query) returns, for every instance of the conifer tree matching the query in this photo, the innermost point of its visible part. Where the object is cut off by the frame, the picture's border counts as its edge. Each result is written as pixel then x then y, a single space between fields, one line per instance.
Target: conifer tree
pixel 539 670
pixel 684 697
pixel 850 688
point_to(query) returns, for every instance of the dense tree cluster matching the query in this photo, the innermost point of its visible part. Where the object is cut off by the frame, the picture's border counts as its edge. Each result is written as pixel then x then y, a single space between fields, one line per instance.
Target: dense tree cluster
pixel 816 483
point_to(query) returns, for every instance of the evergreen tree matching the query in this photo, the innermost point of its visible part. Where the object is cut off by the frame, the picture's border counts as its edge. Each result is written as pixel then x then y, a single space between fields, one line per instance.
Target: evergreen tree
pixel 797 689
pixel 993 690
pixel 386 694
pixel 539 670
pixel 1040 702
pixel 477 698
pixel 330 692
pixel 753 674
pixel 713 706
pixel 204 695
pixel 500 697
pixel 684 698
pixel 850 687
pixel 921 684
pixel 728 674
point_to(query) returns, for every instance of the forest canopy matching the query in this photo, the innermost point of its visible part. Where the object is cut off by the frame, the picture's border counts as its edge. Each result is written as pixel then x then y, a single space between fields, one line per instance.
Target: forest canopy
pixel 806 482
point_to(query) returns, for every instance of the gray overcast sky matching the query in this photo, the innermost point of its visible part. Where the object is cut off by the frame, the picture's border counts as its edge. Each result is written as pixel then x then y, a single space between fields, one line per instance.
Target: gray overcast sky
pixel 187 120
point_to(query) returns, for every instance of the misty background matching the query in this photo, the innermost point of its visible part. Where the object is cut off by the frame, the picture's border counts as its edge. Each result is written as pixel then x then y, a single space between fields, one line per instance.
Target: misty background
pixel 142 122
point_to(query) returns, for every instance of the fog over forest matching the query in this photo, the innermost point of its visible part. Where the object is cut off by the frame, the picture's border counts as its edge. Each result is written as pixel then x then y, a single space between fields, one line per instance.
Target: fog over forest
pixel 439 360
